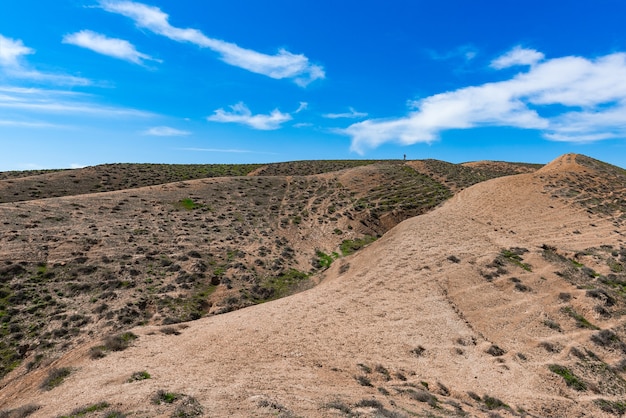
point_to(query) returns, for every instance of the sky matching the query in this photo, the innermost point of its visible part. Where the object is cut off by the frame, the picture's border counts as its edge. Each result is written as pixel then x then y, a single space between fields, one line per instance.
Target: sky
pixel 86 82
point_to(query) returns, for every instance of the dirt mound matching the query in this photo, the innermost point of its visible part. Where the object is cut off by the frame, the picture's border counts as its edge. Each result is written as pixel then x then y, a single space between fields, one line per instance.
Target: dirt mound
pixel 506 300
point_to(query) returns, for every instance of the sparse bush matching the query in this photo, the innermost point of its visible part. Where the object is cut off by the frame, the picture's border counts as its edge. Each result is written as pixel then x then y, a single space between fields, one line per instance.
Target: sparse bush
pixel 612 407
pixel 119 342
pixel 550 347
pixel 164 397
pixel 565 297
pixel 340 406
pixel 369 403
pixel 21 412
pixel 493 403
pixel 55 378
pixel 365 368
pixel 143 375
pixel 84 410
pixel 364 381
pixel 418 351
pixel 581 321
pixel 608 339
pixel 170 331
pixel 495 351
pixel 552 324
pixel 570 378
pixel 188 407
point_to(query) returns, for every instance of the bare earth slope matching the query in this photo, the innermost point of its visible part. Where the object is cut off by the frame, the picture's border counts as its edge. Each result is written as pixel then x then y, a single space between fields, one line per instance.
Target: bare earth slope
pixel 506 300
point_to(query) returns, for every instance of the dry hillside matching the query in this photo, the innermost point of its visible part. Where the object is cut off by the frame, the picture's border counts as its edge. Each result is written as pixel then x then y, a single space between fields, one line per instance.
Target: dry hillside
pixel 507 300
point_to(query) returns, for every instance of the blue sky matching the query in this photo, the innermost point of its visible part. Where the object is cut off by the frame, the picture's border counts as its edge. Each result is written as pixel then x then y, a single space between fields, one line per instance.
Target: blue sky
pixel 85 82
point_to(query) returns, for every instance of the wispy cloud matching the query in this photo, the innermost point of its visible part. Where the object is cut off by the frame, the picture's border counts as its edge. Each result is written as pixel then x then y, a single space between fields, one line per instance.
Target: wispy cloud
pixel 39 101
pixel 30 124
pixel 352 114
pixel 112 47
pixel 165 131
pixel 284 64
pixel 241 114
pixel 466 52
pixel 517 56
pixel 13 65
pixel 589 94
pixel 301 107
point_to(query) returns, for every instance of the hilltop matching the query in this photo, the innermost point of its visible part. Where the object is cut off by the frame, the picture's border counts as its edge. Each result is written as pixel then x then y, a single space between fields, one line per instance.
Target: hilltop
pixel 477 294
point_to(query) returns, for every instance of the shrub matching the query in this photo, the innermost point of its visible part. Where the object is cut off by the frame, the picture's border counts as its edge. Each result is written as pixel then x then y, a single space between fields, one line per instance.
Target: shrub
pixel 55 378
pixel 552 324
pixel 495 351
pixel 570 378
pixel 418 351
pixel 21 412
pixel 164 397
pixel 84 410
pixel 143 375
pixel 188 407
pixel 118 342
pixel 615 408
pixel 581 321
pixel 493 403
pixel 364 381
pixel 608 339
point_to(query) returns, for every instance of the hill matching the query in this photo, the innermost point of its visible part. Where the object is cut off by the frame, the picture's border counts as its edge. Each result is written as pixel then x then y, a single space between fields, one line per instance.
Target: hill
pixel 505 300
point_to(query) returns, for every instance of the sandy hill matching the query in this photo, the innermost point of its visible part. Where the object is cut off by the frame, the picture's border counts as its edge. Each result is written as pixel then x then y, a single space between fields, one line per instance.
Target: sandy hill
pixel 507 300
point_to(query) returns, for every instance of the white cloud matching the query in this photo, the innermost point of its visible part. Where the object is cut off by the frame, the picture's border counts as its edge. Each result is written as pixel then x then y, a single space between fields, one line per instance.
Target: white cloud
pixel 567 99
pixel 11 51
pixel 284 64
pixel 112 47
pixel 241 114
pixel 352 114
pixel 12 65
pixel 517 56
pixel 165 131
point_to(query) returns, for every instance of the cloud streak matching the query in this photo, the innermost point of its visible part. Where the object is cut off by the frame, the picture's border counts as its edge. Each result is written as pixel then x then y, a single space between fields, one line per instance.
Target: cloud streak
pixel 112 47
pixel 284 64
pixel 241 114
pixel 352 114
pixel 165 131
pixel 570 99
pixel 12 65
pixel 38 101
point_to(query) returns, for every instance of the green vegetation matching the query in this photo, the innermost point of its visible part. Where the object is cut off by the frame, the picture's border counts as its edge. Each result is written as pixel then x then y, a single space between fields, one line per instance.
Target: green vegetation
pixel 612 407
pixel 189 204
pixel 284 284
pixel 137 376
pixel 118 342
pixel 324 260
pixel 513 255
pixel 350 246
pixel 570 378
pixel 165 397
pixel 581 321
pixel 55 378
pixel 82 411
